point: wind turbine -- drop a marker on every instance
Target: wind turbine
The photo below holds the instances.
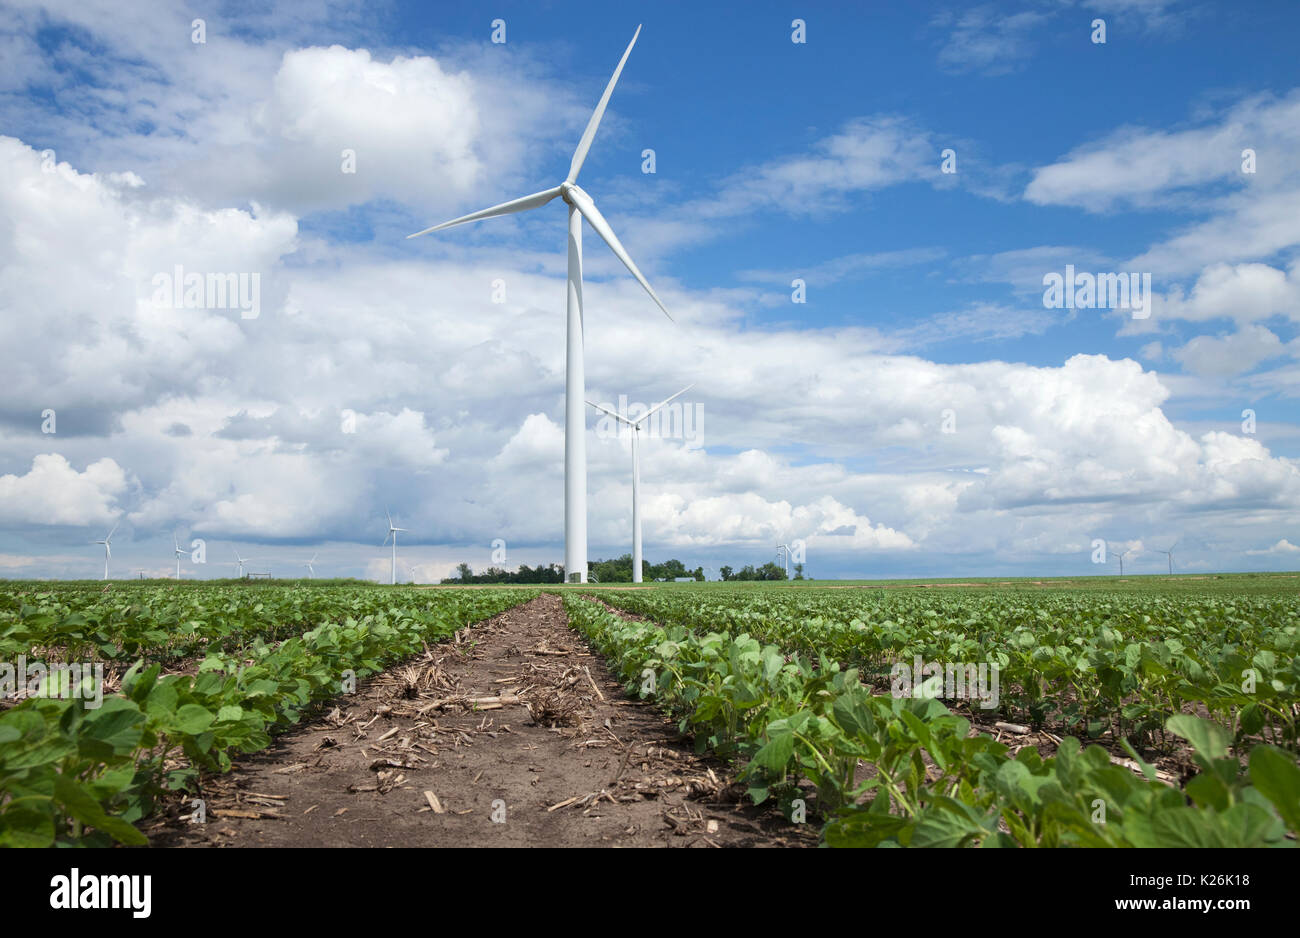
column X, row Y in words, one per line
column 179, row 553
column 1121, row 555
column 311, row 571
column 1170, row 555
column 108, row 548
column 783, row 551
column 240, row 562
column 580, row 206
column 392, row 532
column 636, row 473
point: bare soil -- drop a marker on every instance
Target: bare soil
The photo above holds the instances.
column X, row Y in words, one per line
column 515, row 734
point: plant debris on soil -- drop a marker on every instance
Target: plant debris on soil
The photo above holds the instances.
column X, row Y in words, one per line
column 513, row 734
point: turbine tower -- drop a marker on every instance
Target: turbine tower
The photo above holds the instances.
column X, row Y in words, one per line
column 580, row 206
column 240, row 562
column 179, row 553
column 392, row 532
column 108, row 548
column 1121, row 557
column 636, row 475
column 311, row 571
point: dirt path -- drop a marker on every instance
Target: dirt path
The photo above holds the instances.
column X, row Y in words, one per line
column 561, row 732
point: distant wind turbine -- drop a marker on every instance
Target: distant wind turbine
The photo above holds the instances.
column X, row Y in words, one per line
column 108, row 548
column 1121, row 555
column 240, row 562
column 783, row 551
column 636, row 474
column 1169, row 554
column 580, row 206
column 311, row 571
column 179, row 553
column 392, row 532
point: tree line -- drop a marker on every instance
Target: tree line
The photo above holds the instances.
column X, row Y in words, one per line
column 619, row 570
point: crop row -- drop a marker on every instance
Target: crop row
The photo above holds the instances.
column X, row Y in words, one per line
column 1082, row 663
column 65, row 769
column 908, row 772
column 166, row 623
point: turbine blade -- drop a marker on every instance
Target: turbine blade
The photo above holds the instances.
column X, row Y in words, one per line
column 390, row 519
column 111, row 533
column 611, row 413
column 664, row 401
column 583, row 203
column 580, row 154
column 535, row 200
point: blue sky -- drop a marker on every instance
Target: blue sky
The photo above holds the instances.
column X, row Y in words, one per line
column 775, row 160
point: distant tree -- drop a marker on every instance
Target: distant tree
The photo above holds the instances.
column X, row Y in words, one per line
column 616, row 570
column 698, row 574
column 553, row 573
column 798, row 571
column 725, row 572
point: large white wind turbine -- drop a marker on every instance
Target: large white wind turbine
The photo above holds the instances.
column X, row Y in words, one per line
column 108, row 548
column 179, row 554
column 241, row 562
column 311, row 571
column 636, row 474
column 392, row 532
column 580, row 206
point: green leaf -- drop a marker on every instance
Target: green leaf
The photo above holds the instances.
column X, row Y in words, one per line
column 1209, row 739
column 1274, row 774
column 117, row 723
column 1252, row 719
column 775, row 756
column 947, row 824
column 81, row 805
column 1148, row 769
column 27, row 822
column 193, row 719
